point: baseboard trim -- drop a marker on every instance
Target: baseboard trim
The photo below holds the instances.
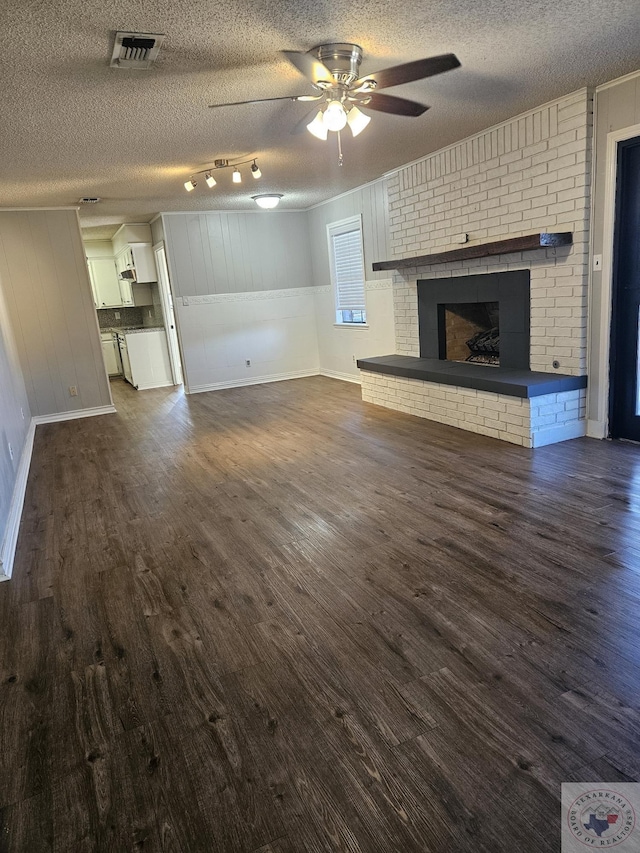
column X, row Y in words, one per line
column 151, row 387
column 345, row 377
column 8, row 551
column 596, row 429
column 561, row 432
column 256, row 380
column 72, row 416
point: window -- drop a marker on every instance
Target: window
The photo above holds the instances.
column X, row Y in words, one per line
column 346, row 260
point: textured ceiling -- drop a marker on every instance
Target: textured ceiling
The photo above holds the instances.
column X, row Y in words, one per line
column 72, row 126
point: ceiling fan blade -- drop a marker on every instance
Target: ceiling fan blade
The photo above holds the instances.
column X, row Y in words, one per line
column 263, row 100
column 310, row 66
column 417, row 70
column 391, row 104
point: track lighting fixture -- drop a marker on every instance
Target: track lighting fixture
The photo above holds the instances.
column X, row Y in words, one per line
column 236, row 177
column 267, row 200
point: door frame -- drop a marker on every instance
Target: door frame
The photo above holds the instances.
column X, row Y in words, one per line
column 166, row 297
column 604, row 393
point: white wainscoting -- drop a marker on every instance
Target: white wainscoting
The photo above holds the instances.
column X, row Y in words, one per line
column 341, row 346
column 274, row 329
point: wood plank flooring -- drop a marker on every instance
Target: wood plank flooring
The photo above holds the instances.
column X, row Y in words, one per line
column 275, row 619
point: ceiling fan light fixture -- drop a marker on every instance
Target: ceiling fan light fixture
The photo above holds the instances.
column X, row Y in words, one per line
column 210, row 180
column 357, row 120
column 236, row 177
column 255, row 170
column 317, row 127
column 267, row 201
column 190, row 185
column 335, row 116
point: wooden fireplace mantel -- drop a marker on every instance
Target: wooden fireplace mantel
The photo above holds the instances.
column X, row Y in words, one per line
column 483, row 250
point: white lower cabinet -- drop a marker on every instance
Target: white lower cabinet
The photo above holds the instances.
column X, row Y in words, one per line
column 148, row 359
column 109, row 354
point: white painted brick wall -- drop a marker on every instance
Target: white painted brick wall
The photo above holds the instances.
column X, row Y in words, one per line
column 529, row 423
column 529, row 174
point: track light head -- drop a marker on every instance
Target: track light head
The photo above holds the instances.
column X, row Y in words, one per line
column 255, row 170
column 237, row 177
column 190, row 185
column 210, row 180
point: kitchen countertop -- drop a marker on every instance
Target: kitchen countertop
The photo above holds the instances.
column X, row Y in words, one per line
column 128, row 330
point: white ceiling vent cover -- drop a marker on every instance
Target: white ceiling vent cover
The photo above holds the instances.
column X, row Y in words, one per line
column 135, row 50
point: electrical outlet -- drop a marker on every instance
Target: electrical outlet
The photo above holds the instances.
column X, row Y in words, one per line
column 597, row 262
column 248, row 362
column 73, row 391
column 10, row 450
column 353, row 359
column 117, row 315
column 22, row 412
column 149, row 313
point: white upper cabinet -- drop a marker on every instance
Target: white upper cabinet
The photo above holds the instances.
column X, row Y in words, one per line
column 132, row 246
column 104, row 283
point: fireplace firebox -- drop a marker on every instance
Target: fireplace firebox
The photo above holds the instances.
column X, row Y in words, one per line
column 477, row 318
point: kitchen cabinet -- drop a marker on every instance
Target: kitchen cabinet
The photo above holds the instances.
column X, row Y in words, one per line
column 111, row 360
column 139, row 257
column 104, row 283
column 145, row 359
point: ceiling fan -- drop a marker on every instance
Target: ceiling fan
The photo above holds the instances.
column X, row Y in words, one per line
column 334, row 72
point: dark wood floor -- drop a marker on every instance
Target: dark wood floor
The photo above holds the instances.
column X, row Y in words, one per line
column 276, row 619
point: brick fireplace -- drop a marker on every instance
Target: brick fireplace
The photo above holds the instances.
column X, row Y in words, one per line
column 529, row 174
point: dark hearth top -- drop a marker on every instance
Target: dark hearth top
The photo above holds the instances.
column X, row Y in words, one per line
column 483, row 250
column 509, row 381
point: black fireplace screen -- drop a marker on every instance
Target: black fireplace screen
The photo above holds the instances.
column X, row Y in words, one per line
column 478, row 318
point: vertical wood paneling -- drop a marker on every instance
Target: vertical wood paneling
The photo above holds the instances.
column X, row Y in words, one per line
column 371, row 202
column 45, row 280
column 234, row 252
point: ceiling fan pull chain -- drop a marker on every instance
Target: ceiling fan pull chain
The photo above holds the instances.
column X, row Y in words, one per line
column 340, row 157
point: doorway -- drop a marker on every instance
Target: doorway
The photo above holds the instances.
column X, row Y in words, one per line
column 166, row 298
column 624, row 416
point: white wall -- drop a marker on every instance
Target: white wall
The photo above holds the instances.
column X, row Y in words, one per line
column 340, row 346
column 15, row 420
column 617, row 108
column 45, row 281
column 242, row 292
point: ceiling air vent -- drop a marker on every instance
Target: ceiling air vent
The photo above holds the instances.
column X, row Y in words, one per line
column 89, row 199
column 135, row 50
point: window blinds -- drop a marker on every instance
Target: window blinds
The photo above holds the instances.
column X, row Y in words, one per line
column 349, row 270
